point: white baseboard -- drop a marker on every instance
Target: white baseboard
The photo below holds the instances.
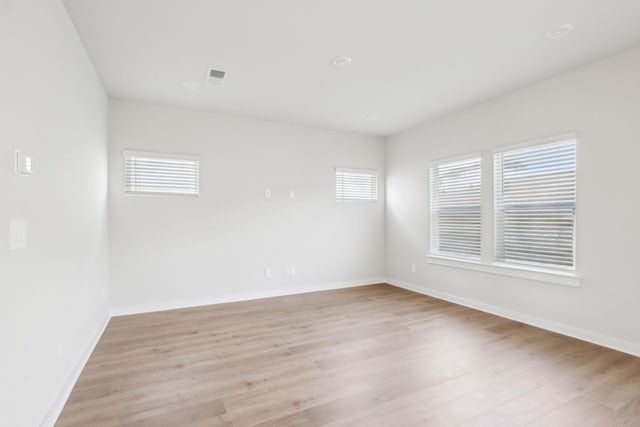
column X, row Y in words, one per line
column 245, row 296
column 581, row 334
column 56, row 408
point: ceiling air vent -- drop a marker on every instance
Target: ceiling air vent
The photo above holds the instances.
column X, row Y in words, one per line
column 215, row 77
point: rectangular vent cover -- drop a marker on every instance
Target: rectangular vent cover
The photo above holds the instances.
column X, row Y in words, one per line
column 215, row 77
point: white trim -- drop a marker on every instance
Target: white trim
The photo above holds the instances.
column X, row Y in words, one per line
column 161, row 195
column 245, row 296
column 487, row 234
column 434, row 200
column 58, row 404
column 372, row 172
column 562, row 137
column 339, row 201
column 155, row 155
column 560, row 328
column 531, row 273
column 372, row 175
column 539, row 142
column 194, row 160
column 454, row 159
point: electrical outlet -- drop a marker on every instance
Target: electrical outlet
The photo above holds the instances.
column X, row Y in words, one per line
column 267, row 273
column 413, row 268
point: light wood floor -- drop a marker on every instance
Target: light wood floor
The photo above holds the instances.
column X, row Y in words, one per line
column 367, row 356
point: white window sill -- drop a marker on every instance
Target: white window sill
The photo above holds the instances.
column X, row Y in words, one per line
column 556, row 277
column 161, row 195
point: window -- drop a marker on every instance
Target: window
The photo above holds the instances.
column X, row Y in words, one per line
column 533, row 232
column 356, row 185
column 455, row 208
column 161, row 174
column 535, row 205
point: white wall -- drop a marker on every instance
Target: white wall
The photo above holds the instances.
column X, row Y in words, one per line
column 169, row 252
column 53, row 294
column 601, row 102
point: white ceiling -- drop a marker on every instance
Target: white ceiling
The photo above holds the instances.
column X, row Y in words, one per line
column 412, row 59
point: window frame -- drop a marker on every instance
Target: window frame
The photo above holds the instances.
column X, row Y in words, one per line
column 354, row 171
column 533, row 144
column 488, row 262
column 449, row 160
column 159, row 155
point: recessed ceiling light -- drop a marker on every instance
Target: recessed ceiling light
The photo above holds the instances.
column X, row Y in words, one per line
column 341, row 61
column 559, row 32
column 370, row 117
column 190, row 85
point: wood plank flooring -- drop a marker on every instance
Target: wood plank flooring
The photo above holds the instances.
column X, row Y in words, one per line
column 367, row 356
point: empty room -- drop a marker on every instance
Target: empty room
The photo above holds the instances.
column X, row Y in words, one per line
column 319, row 213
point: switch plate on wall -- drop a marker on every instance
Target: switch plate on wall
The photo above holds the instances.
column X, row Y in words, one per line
column 267, row 273
column 17, row 234
column 267, row 193
column 23, row 164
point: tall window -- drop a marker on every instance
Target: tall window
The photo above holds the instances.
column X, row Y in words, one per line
column 535, row 205
column 455, row 208
column 161, row 174
column 357, row 185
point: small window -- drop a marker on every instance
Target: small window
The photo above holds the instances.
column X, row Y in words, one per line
column 356, row 185
column 535, row 205
column 161, row 174
column 455, row 208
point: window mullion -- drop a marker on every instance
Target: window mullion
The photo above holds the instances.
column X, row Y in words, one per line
column 487, row 252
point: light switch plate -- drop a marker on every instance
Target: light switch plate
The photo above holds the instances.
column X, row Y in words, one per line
column 23, row 164
column 17, row 234
column 267, row 193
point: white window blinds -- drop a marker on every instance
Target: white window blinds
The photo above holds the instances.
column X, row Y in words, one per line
column 356, row 185
column 161, row 174
column 455, row 208
column 535, row 205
